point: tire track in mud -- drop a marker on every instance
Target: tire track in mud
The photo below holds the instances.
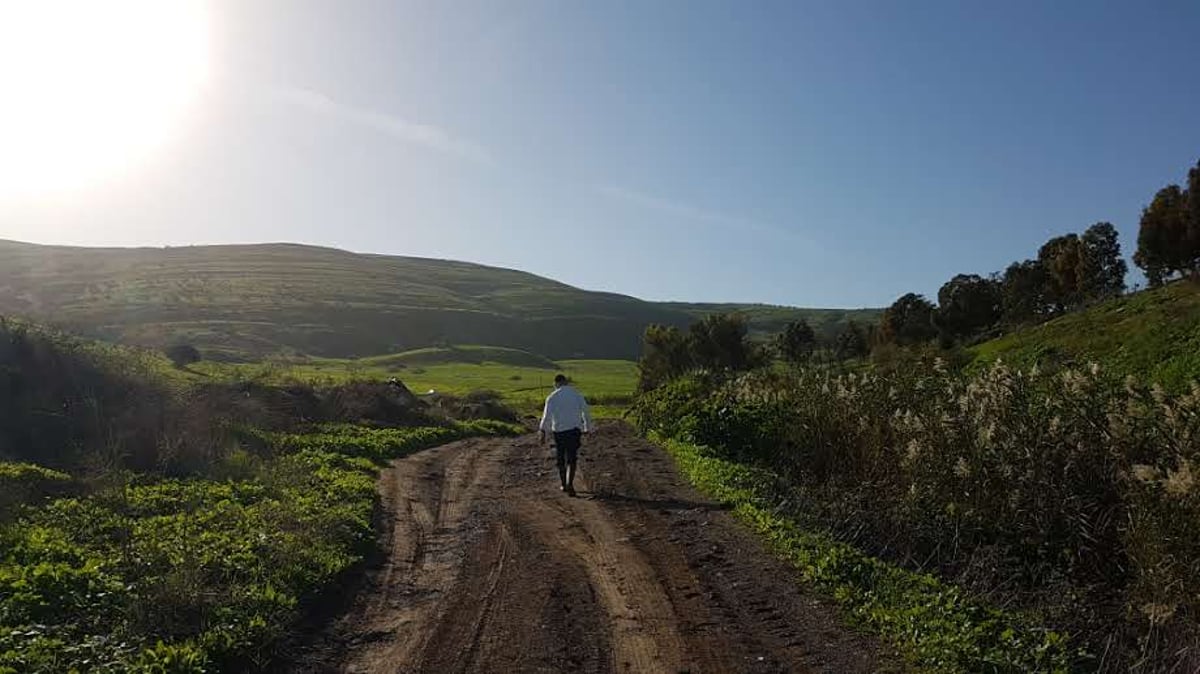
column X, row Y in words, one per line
column 487, row 567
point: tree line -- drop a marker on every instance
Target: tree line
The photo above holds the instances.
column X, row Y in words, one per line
column 1069, row 272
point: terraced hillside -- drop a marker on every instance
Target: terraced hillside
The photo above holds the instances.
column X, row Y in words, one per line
column 248, row 301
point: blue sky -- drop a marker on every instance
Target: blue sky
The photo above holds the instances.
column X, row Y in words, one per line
column 831, row 154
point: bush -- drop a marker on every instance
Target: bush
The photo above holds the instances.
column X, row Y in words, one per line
column 182, row 355
column 59, row 395
column 22, row 483
column 1069, row 494
column 936, row 625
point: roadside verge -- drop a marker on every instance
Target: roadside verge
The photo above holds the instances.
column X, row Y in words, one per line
column 936, row 625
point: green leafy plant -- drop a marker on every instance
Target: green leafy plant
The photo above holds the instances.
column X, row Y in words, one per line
column 191, row 575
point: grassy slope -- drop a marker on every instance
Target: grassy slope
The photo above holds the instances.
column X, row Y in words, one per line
column 1153, row 334
column 766, row 319
column 250, row 301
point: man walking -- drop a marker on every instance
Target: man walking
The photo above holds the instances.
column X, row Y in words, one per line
column 566, row 415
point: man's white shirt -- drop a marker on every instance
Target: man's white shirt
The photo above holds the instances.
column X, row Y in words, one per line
column 565, row 409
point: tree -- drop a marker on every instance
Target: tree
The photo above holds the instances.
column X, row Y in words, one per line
column 1064, row 259
column 1105, row 268
column 795, row 344
column 908, row 321
column 967, row 305
column 1023, row 293
column 1163, row 241
column 851, row 342
column 183, row 355
column 665, row 355
column 719, row 342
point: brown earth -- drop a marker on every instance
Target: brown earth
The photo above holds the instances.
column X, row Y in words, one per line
column 489, row 568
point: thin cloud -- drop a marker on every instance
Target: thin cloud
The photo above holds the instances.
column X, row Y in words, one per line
column 399, row 129
column 684, row 211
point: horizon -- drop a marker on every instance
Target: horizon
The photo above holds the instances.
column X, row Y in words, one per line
column 780, row 154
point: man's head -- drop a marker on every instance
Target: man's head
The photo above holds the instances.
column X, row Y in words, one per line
column 560, row 380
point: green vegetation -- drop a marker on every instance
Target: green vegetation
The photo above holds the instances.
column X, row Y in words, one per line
column 381, row 444
column 62, row 398
column 1070, row 273
column 608, row 384
column 1069, row 497
column 1154, row 335
column 153, row 519
column 184, row 575
column 250, row 302
column 936, row 625
column 718, row 342
column 22, row 483
column 1169, row 232
column 765, row 320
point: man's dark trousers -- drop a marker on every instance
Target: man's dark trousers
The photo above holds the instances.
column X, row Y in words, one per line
column 566, row 446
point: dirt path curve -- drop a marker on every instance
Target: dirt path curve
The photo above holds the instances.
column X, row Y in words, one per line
column 491, row 569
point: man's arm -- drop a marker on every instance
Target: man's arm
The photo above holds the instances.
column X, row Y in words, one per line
column 585, row 413
column 545, row 422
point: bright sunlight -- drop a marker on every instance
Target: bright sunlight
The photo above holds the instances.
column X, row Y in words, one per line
column 88, row 89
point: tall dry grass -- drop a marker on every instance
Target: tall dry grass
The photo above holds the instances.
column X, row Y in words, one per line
column 1071, row 495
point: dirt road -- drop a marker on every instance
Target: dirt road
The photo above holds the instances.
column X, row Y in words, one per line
column 491, row 569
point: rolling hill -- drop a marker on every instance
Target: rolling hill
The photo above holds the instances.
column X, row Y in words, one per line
column 247, row 301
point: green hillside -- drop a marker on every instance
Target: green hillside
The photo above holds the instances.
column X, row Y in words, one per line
column 244, row 302
column 768, row 319
column 1154, row 334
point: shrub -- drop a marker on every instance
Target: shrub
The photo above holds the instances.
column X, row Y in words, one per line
column 182, row 355
column 936, row 625
column 22, row 483
column 1070, row 494
column 60, row 394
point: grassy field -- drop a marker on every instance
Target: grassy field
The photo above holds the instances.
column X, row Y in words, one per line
column 251, row 302
column 609, row 384
column 1153, row 334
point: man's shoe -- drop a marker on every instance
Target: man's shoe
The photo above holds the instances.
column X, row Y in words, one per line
column 570, row 490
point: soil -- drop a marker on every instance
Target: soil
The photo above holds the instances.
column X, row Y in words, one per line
column 488, row 567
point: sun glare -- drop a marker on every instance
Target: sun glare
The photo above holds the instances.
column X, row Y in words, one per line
column 89, row 88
